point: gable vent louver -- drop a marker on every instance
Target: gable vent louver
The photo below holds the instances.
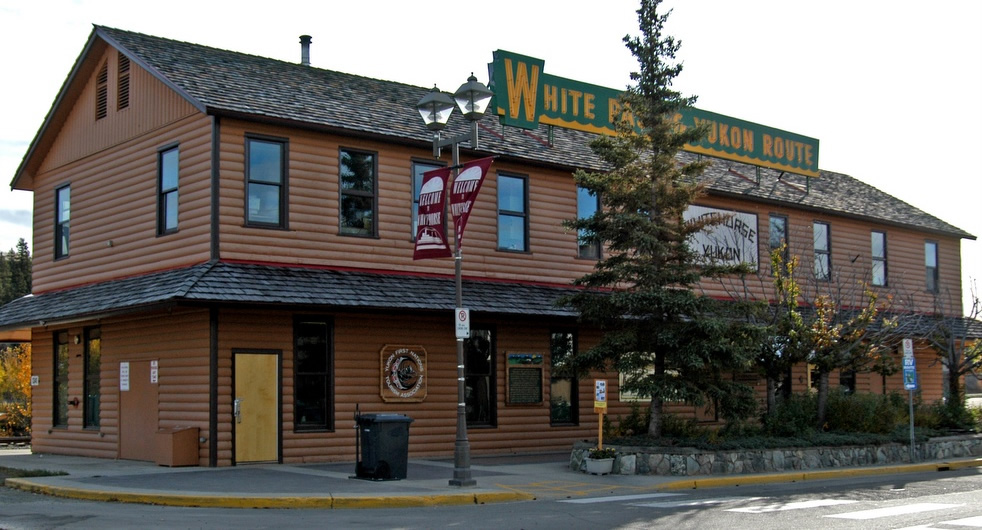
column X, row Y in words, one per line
column 123, row 88
column 102, row 92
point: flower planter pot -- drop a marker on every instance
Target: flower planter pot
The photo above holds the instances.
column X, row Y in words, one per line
column 601, row 466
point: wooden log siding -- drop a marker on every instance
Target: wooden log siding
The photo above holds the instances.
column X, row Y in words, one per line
column 114, row 199
column 106, row 207
column 313, row 237
column 849, row 238
column 111, row 165
column 182, row 386
column 357, row 378
column 179, row 342
column 152, row 104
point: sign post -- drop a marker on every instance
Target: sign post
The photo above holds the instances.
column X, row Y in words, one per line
column 600, row 407
column 910, row 384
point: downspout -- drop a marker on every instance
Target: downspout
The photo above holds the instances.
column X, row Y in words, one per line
column 216, row 130
column 213, row 387
column 213, row 312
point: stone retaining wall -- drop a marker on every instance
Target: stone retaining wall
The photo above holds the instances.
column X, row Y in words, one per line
column 692, row 462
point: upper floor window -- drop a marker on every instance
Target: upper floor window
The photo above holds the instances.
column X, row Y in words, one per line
column 777, row 236
column 823, row 252
column 102, row 92
column 167, row 164
column 931, row 265
column 63, row 214
column 358, row 199
column 123, row 83
column 266, row 183
column 587, row 204
column 418, row 169
column 512, row 213
column 92, row 377
column 878, row 246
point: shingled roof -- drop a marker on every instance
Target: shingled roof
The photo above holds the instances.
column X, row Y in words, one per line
column 227, row 83
column 246, row 86
column 249, row 284
column 242, row 284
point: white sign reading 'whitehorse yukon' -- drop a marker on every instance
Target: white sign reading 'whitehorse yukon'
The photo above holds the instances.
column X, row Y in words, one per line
column 732, row 241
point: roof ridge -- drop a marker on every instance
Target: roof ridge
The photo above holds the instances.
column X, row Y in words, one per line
column 197, row 276
column 255, row 56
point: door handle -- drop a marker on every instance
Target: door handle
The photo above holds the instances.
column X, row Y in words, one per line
column 237, row 410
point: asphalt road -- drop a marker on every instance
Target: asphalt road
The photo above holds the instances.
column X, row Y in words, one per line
column 946, row 500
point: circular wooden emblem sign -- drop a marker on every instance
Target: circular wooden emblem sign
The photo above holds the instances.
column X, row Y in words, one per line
column 403, row 373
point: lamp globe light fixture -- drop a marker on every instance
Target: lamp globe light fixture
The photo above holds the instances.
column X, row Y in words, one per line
column 472, row 98
column 435, row 108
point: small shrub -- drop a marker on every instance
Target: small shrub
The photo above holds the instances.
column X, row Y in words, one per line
column 794, row 417
column 976, row 414
column 636, row 423
column 945, row 416
column 865, row 413
column 673, row 426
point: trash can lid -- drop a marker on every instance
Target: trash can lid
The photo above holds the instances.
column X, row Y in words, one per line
column 384, row 418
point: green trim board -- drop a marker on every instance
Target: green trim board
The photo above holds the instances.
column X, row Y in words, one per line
column 525, row 96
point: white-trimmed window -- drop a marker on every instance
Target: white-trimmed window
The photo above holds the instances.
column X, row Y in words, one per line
column 266, row 181
column 418, row 169
column 167, row 172
column 359, row 201
column 512, row 213
column 878, row 246
column 63, row 216
column 823, row 251
column 931, row 266
column 587, row 204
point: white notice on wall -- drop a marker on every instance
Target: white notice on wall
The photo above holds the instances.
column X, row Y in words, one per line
column 153, row 372
column 124, row 376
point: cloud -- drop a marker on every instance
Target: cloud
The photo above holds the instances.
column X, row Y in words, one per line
column 16, row 217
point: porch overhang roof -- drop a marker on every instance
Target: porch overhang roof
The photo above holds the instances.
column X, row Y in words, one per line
column 225, row 283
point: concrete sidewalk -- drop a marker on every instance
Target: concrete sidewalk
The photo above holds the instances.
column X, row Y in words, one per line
column 499, row 479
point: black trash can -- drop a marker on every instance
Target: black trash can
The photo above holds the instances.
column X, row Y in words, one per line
column 384, row 446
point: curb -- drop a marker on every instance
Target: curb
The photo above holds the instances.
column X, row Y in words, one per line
column 774, row 478
column 224, row 501
column 207, row 500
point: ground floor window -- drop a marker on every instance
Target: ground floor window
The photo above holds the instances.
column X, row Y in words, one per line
column 563, row 402
column 313, row 385
column 479, row 364
column 60, row 417
column 93, row 365
column 847, row 381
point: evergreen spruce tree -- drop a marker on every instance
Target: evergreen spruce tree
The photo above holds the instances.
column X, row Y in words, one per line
column 20, row 272
column 15, row 272
column 671, row 343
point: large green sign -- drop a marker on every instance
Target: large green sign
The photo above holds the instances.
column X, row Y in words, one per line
column 525, row 96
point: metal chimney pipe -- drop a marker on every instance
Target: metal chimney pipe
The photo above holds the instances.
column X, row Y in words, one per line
column 305, row 50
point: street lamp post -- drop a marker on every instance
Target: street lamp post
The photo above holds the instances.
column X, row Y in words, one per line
column 436, row 107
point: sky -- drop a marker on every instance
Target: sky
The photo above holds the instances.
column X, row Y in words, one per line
column 892, row 90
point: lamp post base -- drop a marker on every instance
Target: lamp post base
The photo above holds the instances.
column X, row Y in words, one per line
column 462, row 465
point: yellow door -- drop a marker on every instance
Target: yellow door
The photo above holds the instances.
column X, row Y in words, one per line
column 255, row 410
